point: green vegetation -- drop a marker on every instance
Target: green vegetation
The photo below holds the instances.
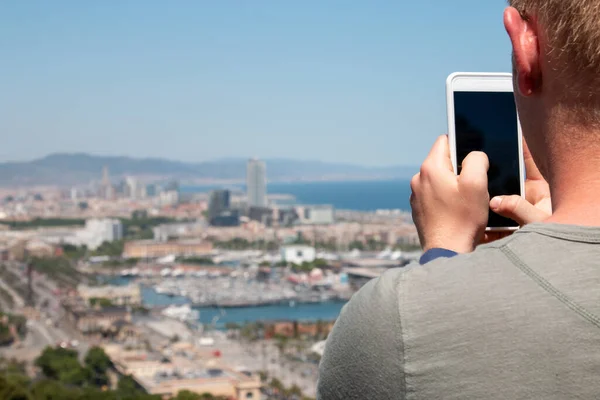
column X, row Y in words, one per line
column 292, row 392
column 59, row 269
column 232, row 326
column 243, row 244
column 101, row 302
column 18, row 322
column 309, row 266
column 44, row 223
column 64, row 378
column 111, row 249
column 139, row 227
column 195, row 260
column 74, row 252
column 253, row 331
column 187, row 395
column 98, row 363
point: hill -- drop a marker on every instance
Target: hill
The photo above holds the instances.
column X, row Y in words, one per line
column 70, row 169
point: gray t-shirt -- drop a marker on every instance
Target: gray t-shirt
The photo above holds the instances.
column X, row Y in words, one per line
column 516, row 319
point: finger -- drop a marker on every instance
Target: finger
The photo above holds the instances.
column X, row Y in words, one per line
column 518, row 209
column 415, row 183
column 474, row 171
column 439, row 155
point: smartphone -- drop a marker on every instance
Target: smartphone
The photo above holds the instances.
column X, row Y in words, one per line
column 482, row 116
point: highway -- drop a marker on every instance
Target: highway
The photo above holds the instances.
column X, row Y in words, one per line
column 52, row 327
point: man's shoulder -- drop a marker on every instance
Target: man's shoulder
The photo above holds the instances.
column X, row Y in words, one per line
column 479, row 262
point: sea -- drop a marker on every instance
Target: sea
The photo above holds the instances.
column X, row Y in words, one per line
column 344, row 195
column 219, row 317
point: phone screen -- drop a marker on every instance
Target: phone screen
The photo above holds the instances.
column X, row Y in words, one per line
column 487, row 121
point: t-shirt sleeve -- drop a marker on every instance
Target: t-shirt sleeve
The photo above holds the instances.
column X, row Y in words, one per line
column 364, row 353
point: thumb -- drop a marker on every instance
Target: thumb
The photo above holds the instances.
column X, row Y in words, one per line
column 518, row 209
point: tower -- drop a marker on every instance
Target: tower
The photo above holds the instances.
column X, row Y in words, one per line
column 256, row 183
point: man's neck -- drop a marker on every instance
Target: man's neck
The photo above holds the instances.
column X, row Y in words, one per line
column 574, row 178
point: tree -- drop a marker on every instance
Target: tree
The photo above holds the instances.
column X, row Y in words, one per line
column 356, row 245
column 277, row 385
column 55, row 362
column 294, row 391
column 98, row 363
column 111, row 249
column 263, row 376
column 97, row 360
column 12, row 390
column 187, row 395
column 51, row 390
column 232, row 326
column 100, row 301
column 128, row 387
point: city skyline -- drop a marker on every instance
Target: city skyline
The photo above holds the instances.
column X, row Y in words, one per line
column 202, row 81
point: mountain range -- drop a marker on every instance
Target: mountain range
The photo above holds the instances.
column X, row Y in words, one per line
column 71, row 169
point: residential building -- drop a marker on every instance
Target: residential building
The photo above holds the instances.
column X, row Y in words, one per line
column 152, row 249
column 166, row 232
column 168, row 198
column 166, row 376
column 219, row 209
column 98, row 321
column 263, row 215
column 98, row 231
column 118, row 295
column 298, row 254
column 316, row 215
column 218, row 203
column 131, row 187
column 256, row 183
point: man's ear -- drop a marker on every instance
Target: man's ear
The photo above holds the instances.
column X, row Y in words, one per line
column 523, row 35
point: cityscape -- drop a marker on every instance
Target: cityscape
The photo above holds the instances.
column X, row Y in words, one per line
column 225, row 293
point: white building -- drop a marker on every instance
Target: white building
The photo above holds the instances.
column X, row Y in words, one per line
column 131, row 187
column 98, row 231
column 163, row 233
column 298, row 254
column 316, row 215
column 256, row 183
column 169, row 198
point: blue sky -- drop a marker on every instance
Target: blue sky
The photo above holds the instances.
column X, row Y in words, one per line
column 344, row 81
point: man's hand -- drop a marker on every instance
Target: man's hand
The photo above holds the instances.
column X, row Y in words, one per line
column 537, row 204
column 450, row 211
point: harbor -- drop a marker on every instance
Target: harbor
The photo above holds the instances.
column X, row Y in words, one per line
column 237, row 289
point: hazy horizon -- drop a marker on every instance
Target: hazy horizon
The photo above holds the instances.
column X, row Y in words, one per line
column 359, row 83
column 215, row 160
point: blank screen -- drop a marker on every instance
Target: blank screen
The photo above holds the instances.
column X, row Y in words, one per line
column 487, row 121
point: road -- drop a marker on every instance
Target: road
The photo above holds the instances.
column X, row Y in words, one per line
column 264, row 356
column 51, row 329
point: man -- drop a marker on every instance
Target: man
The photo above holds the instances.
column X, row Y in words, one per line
column 518, row 318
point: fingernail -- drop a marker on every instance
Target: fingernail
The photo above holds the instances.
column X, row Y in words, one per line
column 495, row 202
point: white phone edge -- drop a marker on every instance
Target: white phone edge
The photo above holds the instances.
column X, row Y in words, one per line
column 480, row 82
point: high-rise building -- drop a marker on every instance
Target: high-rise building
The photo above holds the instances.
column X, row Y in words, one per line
column 131, row 188
column 106, row 189
column 256, row 183
column 219, row 201
column 98, row 231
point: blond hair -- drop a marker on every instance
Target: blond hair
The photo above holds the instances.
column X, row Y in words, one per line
column 572, row 29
